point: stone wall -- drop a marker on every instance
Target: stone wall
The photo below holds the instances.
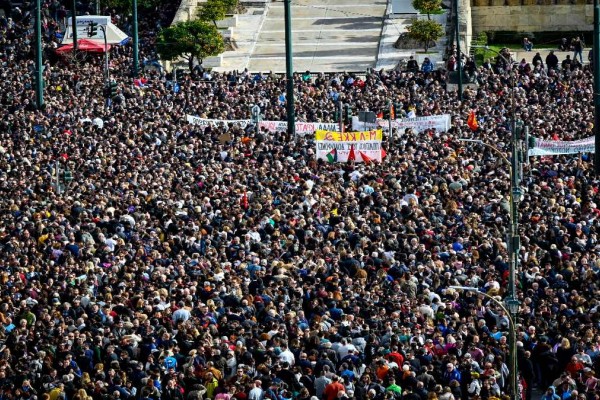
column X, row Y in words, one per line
column 465, row 23
column 532, row 18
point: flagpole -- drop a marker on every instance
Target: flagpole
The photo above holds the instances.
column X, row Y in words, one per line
column 391, row 134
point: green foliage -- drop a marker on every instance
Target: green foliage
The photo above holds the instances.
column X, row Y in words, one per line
column 428, row 6
column 213, row 10
column 190, row 40
column 425, row 31
column 230, row 5
column 481, row 39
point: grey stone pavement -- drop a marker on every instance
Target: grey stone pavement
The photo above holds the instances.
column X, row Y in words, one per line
column 328, row 35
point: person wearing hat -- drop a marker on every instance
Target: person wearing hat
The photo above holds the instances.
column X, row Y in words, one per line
column 474, row 388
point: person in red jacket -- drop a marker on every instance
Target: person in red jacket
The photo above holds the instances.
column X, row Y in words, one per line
column 574, row 367
column 395, row 356
column 332, row 390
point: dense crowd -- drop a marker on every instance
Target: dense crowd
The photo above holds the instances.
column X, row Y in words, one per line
column 185, row 263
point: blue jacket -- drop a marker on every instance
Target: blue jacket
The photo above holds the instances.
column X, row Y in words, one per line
column 427, row 66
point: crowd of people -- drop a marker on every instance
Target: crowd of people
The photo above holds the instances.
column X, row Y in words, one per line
column 187, row 262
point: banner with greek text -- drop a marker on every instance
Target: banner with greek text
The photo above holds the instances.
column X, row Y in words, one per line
column 554, row 147
column 302, row 128
column 242, row 123
column 362, row 147
column 441, row 123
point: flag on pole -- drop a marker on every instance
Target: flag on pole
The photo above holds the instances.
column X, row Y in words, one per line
column 365, row 158
column 472, row 121
column 332, row 156
column 383, row 153
column 351, row 155
column 392, row 112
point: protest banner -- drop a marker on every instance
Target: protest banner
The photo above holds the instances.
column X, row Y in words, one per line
column 543, row 147
column 362, row 147
column 242, row 123
column 302, row 128
column 441, row 123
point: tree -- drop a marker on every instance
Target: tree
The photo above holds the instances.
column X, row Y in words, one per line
column 190, row 40
column 213, row 10
column 425, row 31
column 427, row 6
column 230, row 5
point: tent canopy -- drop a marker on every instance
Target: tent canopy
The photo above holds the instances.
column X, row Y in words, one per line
column 113, row 34
column 84, row 45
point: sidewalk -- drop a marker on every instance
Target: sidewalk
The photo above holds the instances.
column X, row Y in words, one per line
column 389, row 56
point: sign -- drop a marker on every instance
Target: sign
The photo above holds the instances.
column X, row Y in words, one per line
column 367, row 116
column 363, row 147
column 255, row 113
column 242, row 123
column 554, row 147
column 441, row 123
column 349, row 136
column 302, row 128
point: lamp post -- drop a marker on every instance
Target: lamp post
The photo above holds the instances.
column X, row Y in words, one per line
column 511, row 308
column 39, row 64
column 289, row 70
column 459, row 68
column 136, row 52
column 514, row 245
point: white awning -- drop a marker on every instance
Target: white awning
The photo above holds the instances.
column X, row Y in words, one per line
column 113, row 34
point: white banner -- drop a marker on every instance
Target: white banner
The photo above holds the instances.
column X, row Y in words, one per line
column 242, row 123
column 555, row 147
column 441, row 123
column 371, row 149
column 302, row 128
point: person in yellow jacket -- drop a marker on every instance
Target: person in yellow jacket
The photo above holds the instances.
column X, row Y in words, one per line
column 58, row 392
column 211, row 383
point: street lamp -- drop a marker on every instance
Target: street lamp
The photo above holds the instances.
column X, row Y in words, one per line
column 514, row 245
column 511, row 308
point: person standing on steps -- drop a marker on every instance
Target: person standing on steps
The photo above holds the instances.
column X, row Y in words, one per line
column 578, row 46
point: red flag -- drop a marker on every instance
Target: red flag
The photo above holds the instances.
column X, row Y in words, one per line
column 365, row 158
column 65, row 156
column 380, row 115
column 383, row 153
column 245, row 201
column 351, row 155
column 472, row 121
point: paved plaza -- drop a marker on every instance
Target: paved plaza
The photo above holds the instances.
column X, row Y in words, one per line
column 329, row 35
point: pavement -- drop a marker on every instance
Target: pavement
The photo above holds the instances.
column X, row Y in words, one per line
column 328, row 35
column 389, row 56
